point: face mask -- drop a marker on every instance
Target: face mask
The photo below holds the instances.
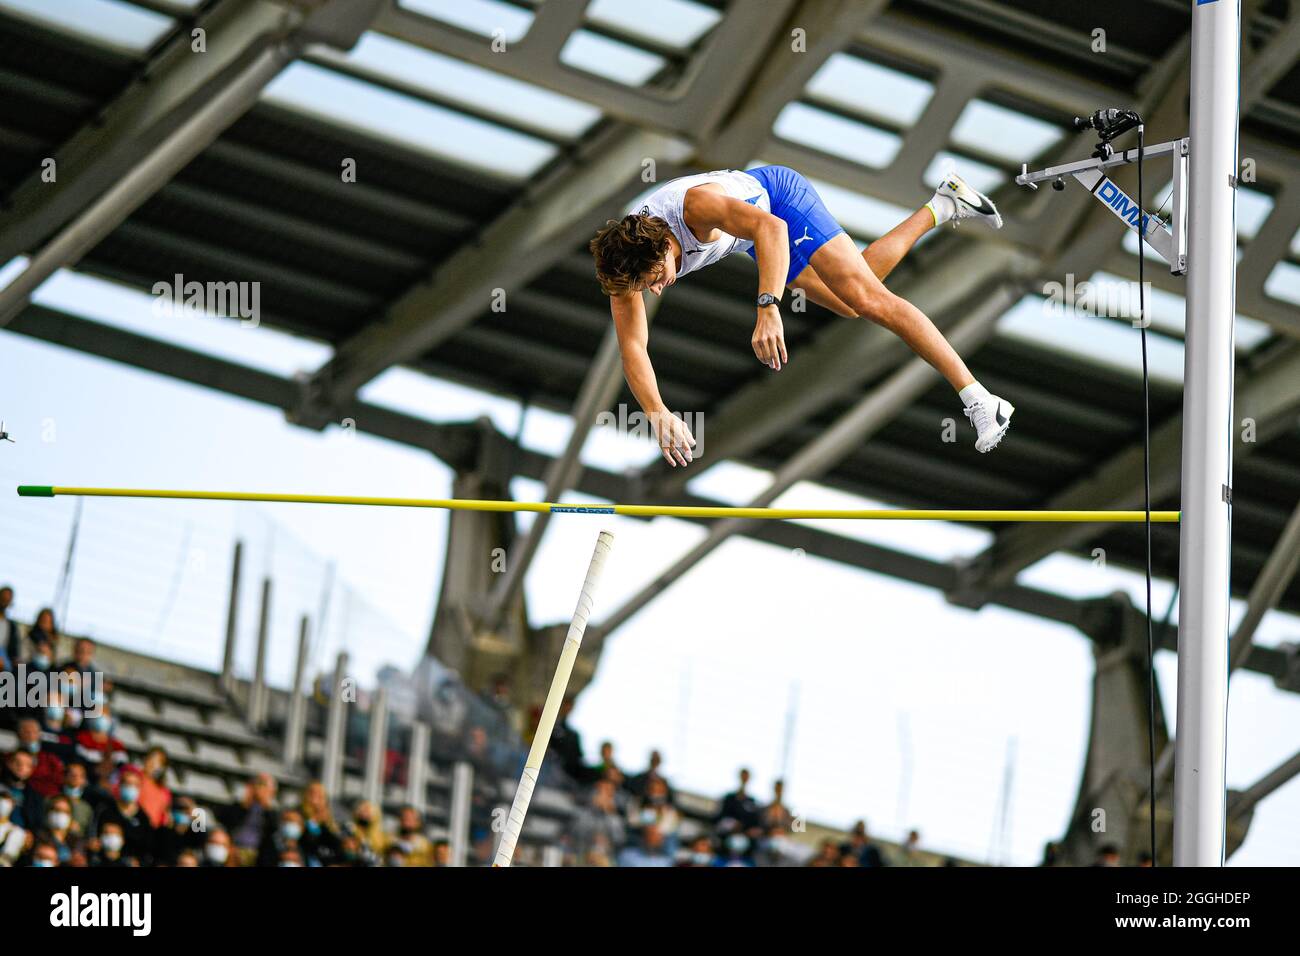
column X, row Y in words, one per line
column 290, row 863
column 33, row 747
column 41, row 862
column 74, row 718
column 216, row 852
column 291, row 831
column 112, row 842
column 73, row 792
column 41, row 663
column 737, row 844
column 6, row 808
column 104, row 724
column 60, row 820
column 129, row 794
column 159, row 774
column 181, row 818
column 54, row 716
column 647, row 816
column 313, row 826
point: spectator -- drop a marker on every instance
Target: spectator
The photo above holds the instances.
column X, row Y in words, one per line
column 217, row 850
column 651, row 851
column 45, row 854
column 47, row 777
column 89, row 675
column 656, row 810
column 109, row 848
column 737, row 850
column 187, row 858
column 155, row 796
column 182, row 832
column 10, row 643
column 320, row 839
column 251, row 819
column 739, row 811
column 60, row 829
column 43, row 630
column 566, row 745
column 127, row 815
column 42, row 658
column 776, row 848
column 637, row 785
column 608, row 768
column 1107, row 855
column 29, row 806
column 776, row 814
column 600, row 819
column 909, row 854
column 861, row 846
column 415, row 847
column 369, row 831
column 828, row 854
column 287, row 836
column 95, row 742
column 13, row 837
column 701, row 853
column 441, row 853
column 74, row 787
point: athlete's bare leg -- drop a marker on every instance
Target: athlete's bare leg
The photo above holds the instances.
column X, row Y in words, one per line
column 848, row 278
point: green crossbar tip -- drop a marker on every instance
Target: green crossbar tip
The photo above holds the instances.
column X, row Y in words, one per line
column 36, row 491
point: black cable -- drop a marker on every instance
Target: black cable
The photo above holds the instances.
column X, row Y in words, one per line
column 1146, row 476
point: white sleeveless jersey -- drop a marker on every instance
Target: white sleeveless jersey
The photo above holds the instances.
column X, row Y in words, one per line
column 666, row 203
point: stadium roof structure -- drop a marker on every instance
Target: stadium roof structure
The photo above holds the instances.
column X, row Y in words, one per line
column 490, row 138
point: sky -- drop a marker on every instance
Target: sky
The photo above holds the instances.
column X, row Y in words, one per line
column 874, row 698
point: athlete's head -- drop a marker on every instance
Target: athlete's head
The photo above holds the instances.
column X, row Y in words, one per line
column 634, row 254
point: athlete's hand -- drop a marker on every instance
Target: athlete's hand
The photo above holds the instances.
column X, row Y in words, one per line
column 675, row 439
column 769, row 338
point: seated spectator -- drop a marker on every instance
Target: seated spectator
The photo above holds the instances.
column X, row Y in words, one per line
column 217, row 850
column 13, row 838
column 47, row 777
column 94, row 686
column 909, row 854
column 42, row 632
column 95, row 742
column 187, row 858
column 441, row 853
column 252, row 818
column 320, row 838
column 566, row 745
column 369, row 832
column 103, row 785
column 700, row 854
column 776, row 814
column 1107, row 855
column 127, row 815
column 599, row 820
column 74, row 787
column 416, row 848
column 737, row 850
column 776, row 848
column 286, row 836
column 42, row 658
column 607, row 768
column 60, row 830
column 656, row 810
column 45, row 854
column 290, row 858
column 155, row 795
column 828, row 854
column 109, row 848
column 10, row 634
column 637, row 785
column 739, row 811
column 650, row 852
column 861, row 846
column 29, row 806
column 182, row 832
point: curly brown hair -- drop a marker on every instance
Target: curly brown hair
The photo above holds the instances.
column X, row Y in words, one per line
column 628, row 250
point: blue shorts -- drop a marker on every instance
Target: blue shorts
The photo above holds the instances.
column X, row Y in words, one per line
column 795, row 200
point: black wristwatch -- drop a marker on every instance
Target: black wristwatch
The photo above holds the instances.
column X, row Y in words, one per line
column 766, row 299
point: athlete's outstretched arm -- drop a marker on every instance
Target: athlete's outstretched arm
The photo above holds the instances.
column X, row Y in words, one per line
column 675, row 439
column 706, row 210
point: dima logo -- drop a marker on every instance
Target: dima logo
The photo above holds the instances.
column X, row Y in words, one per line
column 1125, row 208
column 75, row 908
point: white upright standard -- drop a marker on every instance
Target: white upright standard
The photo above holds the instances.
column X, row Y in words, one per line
column 1201, row 742
column 554, row 697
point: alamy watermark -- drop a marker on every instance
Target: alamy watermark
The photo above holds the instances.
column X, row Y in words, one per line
column 35, row 689
column 638, row 425
column 235, row 300
column 1110, row 299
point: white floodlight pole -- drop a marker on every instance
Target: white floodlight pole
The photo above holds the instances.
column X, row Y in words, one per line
column 1201, row 742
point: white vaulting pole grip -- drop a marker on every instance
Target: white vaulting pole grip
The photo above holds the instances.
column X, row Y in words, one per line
column 554, row 697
